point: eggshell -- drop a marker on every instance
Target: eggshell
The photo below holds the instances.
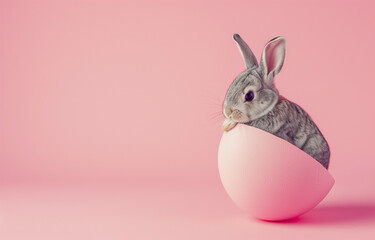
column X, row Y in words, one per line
column 268, row 177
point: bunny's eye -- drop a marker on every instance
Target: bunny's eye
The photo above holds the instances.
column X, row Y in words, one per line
column 249, row 96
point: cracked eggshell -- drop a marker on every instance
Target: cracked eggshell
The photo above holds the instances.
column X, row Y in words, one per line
column 268, row 177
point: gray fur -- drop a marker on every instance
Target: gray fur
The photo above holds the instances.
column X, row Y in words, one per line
column 268, row 110
column 247, row 55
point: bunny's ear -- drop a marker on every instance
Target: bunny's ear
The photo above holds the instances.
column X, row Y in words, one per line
column 247, row 54
column 272, row 58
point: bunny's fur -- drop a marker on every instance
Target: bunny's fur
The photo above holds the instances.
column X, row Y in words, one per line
column 268, row 110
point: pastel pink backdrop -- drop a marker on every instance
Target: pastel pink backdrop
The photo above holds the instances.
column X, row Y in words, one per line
column 125, row 95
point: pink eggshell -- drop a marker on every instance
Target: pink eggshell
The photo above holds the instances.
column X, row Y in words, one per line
column 268, row 177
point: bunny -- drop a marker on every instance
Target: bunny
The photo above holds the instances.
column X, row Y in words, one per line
column 253, row 99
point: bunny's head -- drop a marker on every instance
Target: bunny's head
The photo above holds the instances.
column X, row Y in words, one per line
column 253, row 94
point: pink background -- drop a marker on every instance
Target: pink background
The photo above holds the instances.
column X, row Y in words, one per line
column 110, row 115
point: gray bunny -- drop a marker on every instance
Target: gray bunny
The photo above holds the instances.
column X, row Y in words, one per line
column 253, row 99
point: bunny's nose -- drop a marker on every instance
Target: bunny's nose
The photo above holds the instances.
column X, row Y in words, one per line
column 227, row 112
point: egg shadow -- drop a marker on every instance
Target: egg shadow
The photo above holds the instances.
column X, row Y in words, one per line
column 336, row 214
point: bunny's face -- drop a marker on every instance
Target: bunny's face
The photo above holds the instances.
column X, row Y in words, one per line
column 253, row 94
column 249, row 98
